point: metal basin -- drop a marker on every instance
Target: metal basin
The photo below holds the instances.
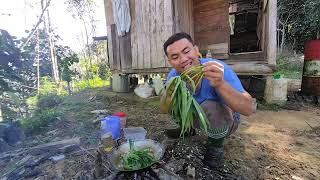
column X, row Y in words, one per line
column 117, row 154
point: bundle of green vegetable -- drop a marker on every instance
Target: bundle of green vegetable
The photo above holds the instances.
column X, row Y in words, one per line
column 184, row 107
column 138, row 159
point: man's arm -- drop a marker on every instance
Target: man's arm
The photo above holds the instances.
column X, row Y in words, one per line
column 237, row 101
column 163, row 102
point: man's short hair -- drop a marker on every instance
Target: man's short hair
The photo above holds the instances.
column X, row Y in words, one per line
column 176, row 37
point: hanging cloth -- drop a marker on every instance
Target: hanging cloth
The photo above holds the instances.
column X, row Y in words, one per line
column 121, row 14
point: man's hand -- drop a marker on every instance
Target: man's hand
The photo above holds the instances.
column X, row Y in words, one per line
column 165, row 103
column 238, row 102
column 214, row 72
column 169, row 91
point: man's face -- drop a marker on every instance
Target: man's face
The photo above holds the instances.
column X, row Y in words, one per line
column 182, row 55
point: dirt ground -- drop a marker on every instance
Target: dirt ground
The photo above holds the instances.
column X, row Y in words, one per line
column 282, row 144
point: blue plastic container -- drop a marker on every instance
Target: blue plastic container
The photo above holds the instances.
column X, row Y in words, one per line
column 111, row 124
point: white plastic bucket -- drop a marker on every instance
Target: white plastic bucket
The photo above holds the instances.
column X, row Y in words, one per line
column 277, row 92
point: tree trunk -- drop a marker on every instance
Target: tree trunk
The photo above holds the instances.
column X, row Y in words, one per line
column 33, row 30
column 69, row 88
column 87, row 40
column 52, row 51
column 1, row 118
column 278, row 35
column 282, row 39
column 55, row 70
column 38, row 62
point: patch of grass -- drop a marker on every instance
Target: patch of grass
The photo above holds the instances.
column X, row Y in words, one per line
column 45, row 110
column 95, row 82
column 290, row 66
column 48, row 101
column 70, row 104
column 40, row 120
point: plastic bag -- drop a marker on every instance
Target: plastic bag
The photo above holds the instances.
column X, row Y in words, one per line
column 144, row 91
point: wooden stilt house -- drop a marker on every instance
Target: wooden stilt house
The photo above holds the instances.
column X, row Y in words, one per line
column 240, row 32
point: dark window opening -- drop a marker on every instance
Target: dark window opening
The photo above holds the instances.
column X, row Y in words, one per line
column 243, row 19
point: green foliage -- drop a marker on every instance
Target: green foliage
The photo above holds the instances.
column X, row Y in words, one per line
column 49, row 87
column 95, row 82
column 40, row 120
column 14, row 98
column 46, row 102
column 104, row 71
column 8, row 113
column 66, row 58
column 44, row 107
column 290, row 67
column 9, row 62
column 100, row 70
column 94, row 69
column 301, row 21
column 46, row 110
column 29, row 53
column 32, row 102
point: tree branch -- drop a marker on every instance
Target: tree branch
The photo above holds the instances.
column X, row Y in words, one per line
column 36, row 26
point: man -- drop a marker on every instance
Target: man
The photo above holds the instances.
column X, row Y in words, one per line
column 220, row 93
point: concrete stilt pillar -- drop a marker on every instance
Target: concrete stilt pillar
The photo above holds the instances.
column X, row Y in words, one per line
column 268, row 89
column 120, row 82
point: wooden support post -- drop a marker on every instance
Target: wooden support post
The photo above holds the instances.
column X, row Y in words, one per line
column 271, row 40
column 271, row 32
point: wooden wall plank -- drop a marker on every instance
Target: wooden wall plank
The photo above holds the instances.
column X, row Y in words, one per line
column 121, row 40
column 186, row 22
column 108, row 12
column 133, row 31
column 211, row 24
column 125, row 51
column 153, row 37
column 146, row 33
column 209, row 5
column 191, row 31
column 115, row 48
column 176, row 15
column 159, row 62
column 139, row 26
column 142, row 35
column 168, row 25
column 182, row 16
column 110, row 48
column 218, row 48
column 153, row 25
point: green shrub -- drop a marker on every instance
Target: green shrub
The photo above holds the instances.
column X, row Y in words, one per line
column 290, row 67
column 95, row 82
column 48, row 87
column 40, row 120
column 48, row 101
column 44, row 109
column 32, row 102
column 104, row 71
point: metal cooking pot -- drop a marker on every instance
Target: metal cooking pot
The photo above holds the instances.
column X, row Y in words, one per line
column 117, row 154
